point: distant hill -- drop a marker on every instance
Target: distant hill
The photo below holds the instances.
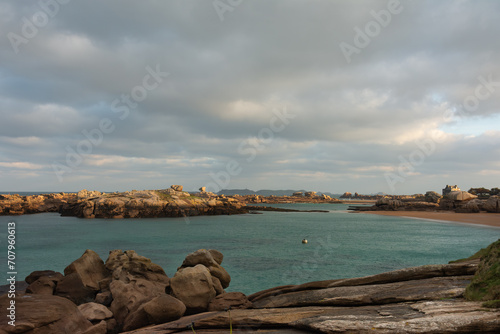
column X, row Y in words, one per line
column 265, row 192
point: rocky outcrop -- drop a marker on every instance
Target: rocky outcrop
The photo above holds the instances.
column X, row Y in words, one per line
column 171, row 202
column 460, row 196
column 432, row 197
column 20, row 205
column 151, row 204
column 457, row 201
column 389, row 204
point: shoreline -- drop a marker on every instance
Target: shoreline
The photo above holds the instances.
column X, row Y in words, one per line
column 486, row 219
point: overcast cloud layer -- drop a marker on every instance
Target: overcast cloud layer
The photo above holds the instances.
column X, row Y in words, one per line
column 274, row 94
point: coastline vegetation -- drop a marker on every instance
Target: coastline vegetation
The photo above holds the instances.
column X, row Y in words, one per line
column 485, row 286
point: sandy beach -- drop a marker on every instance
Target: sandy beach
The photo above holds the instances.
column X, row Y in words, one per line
column 490, row 219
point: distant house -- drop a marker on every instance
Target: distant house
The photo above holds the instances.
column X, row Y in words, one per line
column 449, row 189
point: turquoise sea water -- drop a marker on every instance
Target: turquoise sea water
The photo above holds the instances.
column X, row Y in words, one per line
column 260, row 251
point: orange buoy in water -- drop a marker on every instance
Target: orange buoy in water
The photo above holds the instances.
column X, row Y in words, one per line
column 304, row 241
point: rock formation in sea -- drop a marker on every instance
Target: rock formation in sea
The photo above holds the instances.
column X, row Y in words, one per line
column 128, row 292
column 457, row 201
column 171, row 202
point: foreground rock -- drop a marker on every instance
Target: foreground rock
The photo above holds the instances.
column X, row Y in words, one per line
column 425, row 299
column 126, row 292
column 42, row 314
column 452, row 316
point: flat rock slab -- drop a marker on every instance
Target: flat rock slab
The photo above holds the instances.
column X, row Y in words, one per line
column 451, row 316
column 424, row 289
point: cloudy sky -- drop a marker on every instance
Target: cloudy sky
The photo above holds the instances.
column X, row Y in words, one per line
column 331, row 96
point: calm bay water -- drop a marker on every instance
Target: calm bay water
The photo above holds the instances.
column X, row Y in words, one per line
column 260, row 251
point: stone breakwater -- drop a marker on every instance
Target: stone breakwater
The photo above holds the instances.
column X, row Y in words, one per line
column 128, row 292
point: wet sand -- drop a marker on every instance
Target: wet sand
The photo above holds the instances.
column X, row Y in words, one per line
column 490, row 219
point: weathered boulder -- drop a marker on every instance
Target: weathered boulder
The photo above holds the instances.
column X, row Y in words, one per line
column 40, row 273
column 492, row 204
column 128, row 297
column 432, row 197
column 45, row 285
column 194, row 287
column 210, row 259
column 460, row 196
column 43, row 314
column 217, row 286
column 100, row 328
column 90, row 267
column 72, row 288
column 95, row 312
column 218, row 256
column 472, row 206
column 447, row 204
column 233, row 300
column 83, row 194
column 128, row 264
column 158, row 310
column 220, row 273
column 388, row 204
column 105, row 298
column 176, row 187
column 201, row 256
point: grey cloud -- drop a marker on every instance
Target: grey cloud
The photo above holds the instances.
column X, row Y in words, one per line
column 351, row 119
